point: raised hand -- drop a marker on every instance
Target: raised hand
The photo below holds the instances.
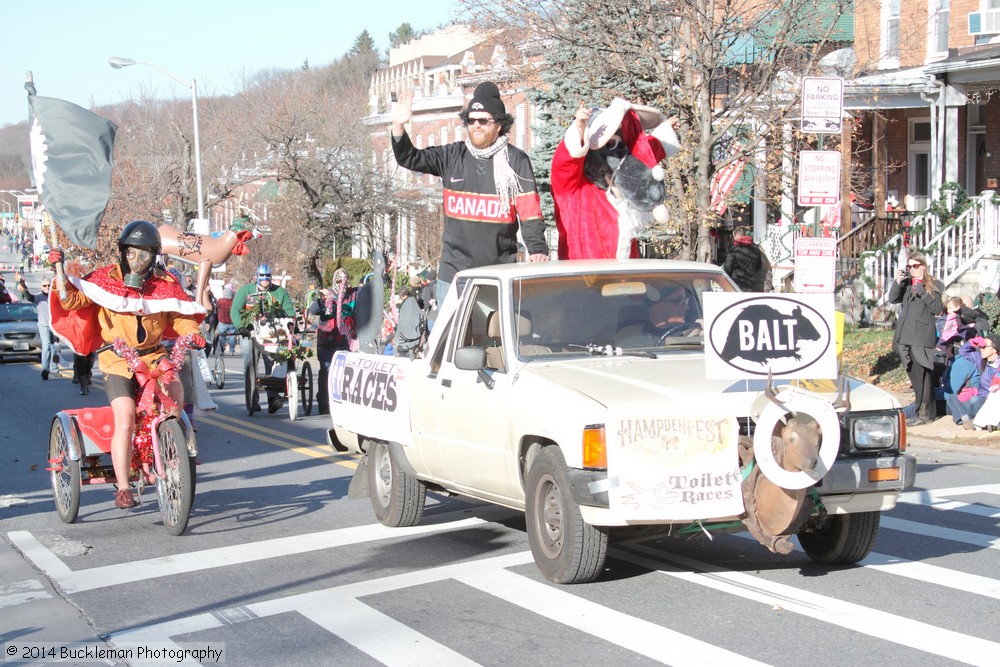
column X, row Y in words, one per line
column 402, row 111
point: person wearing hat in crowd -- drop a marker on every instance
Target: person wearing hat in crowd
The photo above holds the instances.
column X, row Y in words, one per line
column 746, row 263
column 334, row 312
column 137, row 302
column 50, row 360
column 489, row 187
column 276, row 301
column 984, row 358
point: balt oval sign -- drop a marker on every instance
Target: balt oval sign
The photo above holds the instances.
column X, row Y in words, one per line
column 790, row 336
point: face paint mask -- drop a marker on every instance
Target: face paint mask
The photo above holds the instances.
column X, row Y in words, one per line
column 138, row 260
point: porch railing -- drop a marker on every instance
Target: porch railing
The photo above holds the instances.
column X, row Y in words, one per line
column 950, row 249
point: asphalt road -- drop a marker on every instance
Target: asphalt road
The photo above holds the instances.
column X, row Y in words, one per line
column 278, row 567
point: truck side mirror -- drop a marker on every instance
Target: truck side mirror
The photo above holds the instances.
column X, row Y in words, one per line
column 470, row 358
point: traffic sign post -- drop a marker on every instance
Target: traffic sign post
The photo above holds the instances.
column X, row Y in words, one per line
column 822, row 104
column 815, row 265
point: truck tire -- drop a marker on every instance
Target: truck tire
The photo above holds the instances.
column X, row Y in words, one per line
column 397, row 497
column 842, row 538
column 566, row 549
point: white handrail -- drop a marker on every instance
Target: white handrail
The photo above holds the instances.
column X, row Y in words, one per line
column 950, row 250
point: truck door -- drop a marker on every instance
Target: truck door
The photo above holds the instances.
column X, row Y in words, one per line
column 472, row 431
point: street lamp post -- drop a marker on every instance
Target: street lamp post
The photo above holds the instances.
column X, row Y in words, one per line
column 118, row 63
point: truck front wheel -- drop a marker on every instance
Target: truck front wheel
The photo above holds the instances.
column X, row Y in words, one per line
column 842, row 538
column 397, row 497
column 566, row 549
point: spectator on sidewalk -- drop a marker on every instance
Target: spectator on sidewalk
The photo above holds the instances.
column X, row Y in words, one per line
column 50, row 356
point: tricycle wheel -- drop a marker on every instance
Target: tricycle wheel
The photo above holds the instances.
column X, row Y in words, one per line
column 841, row 538
column 175, row 489
column 397, row 497
column 250, row 389
column 292, row 392
column 219, row 374
column 566, row 549
column 65, row 473
column 306, row 388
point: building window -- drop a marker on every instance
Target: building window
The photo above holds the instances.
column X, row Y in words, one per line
column 919, row 164
column 891, row 40
column 939, row 25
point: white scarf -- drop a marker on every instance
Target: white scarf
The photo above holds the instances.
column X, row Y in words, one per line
column 504, row 177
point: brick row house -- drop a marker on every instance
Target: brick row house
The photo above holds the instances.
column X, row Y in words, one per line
column 926, row 99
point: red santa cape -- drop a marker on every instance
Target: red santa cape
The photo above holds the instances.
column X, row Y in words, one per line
column 81, row 330
column 587, row 221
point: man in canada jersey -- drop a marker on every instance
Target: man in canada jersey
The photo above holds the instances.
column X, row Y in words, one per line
column 489, row 187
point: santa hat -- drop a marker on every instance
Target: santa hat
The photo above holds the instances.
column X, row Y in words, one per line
column 631, row 122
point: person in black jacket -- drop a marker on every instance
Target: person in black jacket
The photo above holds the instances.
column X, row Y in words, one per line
column 919, row 296
column 746, row 263
column 489, row 187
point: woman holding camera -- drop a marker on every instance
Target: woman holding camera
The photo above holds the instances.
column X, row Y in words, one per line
column 919, row 296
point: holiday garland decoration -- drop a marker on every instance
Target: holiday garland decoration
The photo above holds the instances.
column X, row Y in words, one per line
column 153, row 380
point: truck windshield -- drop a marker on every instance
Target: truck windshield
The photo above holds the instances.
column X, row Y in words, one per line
column 612, row 313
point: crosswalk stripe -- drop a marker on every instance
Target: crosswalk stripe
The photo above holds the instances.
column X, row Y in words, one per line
column 383, row 638
column 928, row 496
column 868, row 621
column 941, row 533
column 635, row 634
column 925, row 572
column 987, row 511
column 73, row 581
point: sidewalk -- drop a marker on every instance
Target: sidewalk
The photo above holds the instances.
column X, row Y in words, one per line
column 33, row 611
column 945, row 431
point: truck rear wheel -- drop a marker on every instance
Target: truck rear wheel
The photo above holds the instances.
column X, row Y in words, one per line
column 566, row 549
column 397, row 497
column 842, row 538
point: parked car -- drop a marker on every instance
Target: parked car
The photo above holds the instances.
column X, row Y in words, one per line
column 19, row 331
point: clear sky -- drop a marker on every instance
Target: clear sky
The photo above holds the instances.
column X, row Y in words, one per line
column 66, row 43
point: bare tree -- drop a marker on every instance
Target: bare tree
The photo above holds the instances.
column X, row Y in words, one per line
column 730, row 70
column 306, row 126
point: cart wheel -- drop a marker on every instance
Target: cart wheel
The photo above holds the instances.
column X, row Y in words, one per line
column 176, row 488
column 292, row 393
column 306, row 388
column 251, row 390
column 219, row 374
column 65, row 473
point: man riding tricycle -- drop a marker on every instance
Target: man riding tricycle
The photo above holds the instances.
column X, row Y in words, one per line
column 134, row 306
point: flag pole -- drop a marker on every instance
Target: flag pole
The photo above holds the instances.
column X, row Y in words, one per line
column 54, row 243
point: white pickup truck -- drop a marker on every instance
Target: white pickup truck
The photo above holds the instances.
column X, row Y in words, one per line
column 563, row 389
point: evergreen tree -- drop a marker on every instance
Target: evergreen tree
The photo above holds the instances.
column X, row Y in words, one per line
column 363, row 45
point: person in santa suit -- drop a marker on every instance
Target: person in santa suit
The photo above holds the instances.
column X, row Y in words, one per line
column 134, row 301
column 606, row 180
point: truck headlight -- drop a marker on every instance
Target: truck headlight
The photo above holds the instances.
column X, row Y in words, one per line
column 874, row 432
